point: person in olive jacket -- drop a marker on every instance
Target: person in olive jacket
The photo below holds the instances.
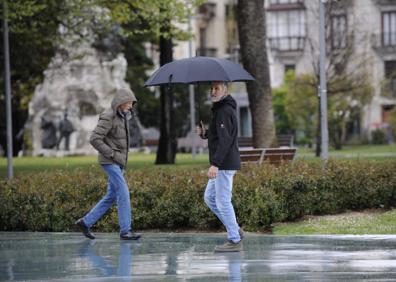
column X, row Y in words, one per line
column 225, row 160
column 111, row 139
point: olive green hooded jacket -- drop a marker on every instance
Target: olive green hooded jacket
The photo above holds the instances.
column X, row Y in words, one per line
column 111, row 136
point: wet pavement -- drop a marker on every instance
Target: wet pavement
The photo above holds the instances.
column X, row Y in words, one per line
column 190, row 257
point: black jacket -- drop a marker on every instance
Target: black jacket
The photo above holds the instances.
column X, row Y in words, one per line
column 223, row 135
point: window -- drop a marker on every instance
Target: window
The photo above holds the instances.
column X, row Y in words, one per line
column 390, row 75
column 290, row 67
column 390, row 69
column 244, row 122
column 338, row 31
column 286, row 30
column 202, row 37
column 230, row 11
column 389, row 28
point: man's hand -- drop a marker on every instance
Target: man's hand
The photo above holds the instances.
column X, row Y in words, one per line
column 200, row 129
column 212, row 172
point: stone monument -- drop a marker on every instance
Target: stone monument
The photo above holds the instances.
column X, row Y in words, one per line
column 82, row 86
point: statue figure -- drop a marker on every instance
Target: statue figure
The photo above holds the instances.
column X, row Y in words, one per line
column 65, row 128
column 48, row 139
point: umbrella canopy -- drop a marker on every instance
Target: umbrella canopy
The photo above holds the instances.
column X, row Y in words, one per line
column 198, row 69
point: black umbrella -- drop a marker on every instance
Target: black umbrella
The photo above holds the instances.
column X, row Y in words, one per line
column 198, row 69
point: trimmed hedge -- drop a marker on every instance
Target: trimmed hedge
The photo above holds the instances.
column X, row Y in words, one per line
column 164, row 199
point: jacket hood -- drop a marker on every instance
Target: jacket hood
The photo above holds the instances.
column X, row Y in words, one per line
column 122, row 95
column 228, row 100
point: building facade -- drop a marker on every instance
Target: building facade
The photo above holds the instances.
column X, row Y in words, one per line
column 366, row 26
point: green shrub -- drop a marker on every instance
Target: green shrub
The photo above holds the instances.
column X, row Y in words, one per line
column 165, row 199
column 378, row 137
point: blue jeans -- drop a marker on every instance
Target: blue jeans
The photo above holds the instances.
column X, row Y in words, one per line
column 218, row 196
column 107, row 266
column 117, row 191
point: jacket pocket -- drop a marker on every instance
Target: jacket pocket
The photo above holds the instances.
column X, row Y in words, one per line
column 119, row 158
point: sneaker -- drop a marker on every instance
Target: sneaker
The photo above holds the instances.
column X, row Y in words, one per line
column 85, row 229
column 130, row 236
column 229, row 246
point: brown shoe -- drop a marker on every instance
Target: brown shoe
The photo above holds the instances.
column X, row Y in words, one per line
column 130, row 236
column 229, row 246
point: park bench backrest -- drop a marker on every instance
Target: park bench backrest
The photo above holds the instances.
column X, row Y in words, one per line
column 251, row 155
column 151, row 142
column 283, row 140
column 267, row 155
column 245, row 141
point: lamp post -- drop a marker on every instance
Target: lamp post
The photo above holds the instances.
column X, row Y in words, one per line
column 323, row 87
column 7, row 82
column 192, row 98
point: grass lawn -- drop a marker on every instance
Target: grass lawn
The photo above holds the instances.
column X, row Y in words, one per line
column 371, row 152
column 365, row 222
column 136, row 161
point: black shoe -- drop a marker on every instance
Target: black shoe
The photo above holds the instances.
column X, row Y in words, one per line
column 130, row 236
column 85, row 230
column 241, row 233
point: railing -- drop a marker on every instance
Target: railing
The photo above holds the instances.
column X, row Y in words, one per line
column 210, row 52
column 278, row 2
column 384, row 2
column 289, row 43
column 276, row 5
column 384, row 39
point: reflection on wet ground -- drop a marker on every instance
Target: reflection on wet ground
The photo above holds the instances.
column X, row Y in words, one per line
column 190, row 256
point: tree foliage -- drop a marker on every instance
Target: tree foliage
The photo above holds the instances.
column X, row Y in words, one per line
column 38, row 28
column 301, row 106
column 33, row 30
column 348, row 84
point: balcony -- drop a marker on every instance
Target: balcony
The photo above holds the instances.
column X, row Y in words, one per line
column 276, row 5
column 288, row 43
column 206, row 51
column 384, row 43
column 385, row 2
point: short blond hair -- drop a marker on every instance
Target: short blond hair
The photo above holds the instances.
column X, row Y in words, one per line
column 224, row 84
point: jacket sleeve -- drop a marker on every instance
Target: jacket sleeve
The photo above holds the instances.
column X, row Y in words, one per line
column 224, row 128
column 99, row 133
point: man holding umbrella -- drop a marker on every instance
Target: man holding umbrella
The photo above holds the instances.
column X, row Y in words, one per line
column 225, row 161
column 222, row 134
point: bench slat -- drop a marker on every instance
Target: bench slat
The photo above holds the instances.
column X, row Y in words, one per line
column 250, row 158
column 268, row 155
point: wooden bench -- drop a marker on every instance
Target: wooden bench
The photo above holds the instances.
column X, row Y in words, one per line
column 283, row 140
column 267, row 155
column 245, row 141
column 151, row 142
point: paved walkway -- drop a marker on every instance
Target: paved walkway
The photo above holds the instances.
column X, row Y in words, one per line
column 190, row 257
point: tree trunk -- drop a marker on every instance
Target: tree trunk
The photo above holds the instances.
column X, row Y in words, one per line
column 167, row 143
column 252, row 37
